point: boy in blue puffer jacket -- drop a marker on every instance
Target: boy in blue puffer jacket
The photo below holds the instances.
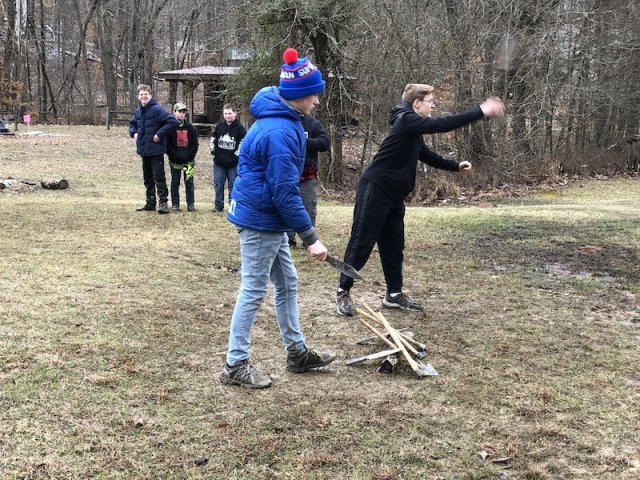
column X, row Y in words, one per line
column 150, row 125
column 265, row 204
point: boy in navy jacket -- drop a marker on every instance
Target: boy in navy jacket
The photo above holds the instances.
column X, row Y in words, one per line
column 149, row 126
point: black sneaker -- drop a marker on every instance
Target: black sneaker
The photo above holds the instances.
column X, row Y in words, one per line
column 344, row 303
column 292, row 242
column 245, row 375
column 218, row 208
column 148, row 207
column 401, row 301
column 163, row 207
column 191, row 208
column 300, row 362
column 175, row 208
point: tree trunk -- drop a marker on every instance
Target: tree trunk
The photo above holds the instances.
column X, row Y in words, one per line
column 10, row 46
column 104, row 28
column 88, row 89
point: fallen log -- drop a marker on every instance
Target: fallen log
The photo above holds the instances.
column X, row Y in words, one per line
column 54, row 183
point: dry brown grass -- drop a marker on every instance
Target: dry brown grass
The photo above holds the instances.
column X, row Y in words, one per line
column 114, row 326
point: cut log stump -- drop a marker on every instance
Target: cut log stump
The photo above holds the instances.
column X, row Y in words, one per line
column 54, row 183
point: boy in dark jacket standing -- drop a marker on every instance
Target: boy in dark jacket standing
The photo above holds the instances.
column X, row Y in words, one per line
column 150, row 125
column 182, row 147
column 378, row 215
column 225, row 144
column 317, row 141
column 265, row 204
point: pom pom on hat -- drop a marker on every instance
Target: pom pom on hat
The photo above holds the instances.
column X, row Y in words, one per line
column 290, row 56
column 299, row 77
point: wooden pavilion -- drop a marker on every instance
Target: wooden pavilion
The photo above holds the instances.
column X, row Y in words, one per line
column 214, row 80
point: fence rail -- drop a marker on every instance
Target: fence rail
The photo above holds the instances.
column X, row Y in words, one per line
column 119, row 116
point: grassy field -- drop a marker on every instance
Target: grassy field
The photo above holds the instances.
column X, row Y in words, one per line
column 114, row 326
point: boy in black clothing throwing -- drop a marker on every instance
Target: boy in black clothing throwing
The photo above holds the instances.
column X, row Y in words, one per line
column 182, row 147
column 378, row 215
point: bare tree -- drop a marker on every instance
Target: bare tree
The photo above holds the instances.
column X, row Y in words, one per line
column 567, row 69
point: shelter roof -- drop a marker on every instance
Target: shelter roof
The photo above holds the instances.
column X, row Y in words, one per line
column 199, row 73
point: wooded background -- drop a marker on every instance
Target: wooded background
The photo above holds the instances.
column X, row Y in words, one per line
column 568, row 70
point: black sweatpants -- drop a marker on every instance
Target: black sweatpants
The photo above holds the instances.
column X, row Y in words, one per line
column 376, row 218
column 154, row 178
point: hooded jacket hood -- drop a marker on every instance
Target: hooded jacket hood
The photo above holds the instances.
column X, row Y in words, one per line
column 268, row 103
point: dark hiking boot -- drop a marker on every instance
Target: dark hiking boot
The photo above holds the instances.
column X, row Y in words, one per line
column 148, row 207
column 344, row 303
column 300, row 362
column 401, row 301
column 163, row 207
column 244, row 375
column 218, row 208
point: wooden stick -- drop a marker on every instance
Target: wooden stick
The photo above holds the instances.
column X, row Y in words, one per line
column 376, row 332
column 379, row 318
column 365, row 340
column 397, row 339
column 388, row 326
column 410, row 339
column 414, row 365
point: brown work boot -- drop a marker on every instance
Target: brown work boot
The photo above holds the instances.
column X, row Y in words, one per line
column 303, row 361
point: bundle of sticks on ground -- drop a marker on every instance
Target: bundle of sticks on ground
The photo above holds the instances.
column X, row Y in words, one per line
column 400, row 342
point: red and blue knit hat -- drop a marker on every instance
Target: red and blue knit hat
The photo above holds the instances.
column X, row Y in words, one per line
column 298, row 76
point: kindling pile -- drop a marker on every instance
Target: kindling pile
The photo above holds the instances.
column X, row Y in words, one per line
column 400, row 343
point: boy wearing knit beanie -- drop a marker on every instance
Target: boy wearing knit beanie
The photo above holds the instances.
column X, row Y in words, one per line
column 265, row 204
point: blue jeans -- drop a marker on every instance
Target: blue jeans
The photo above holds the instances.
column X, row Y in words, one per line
column 220, row 176
column 176, row 174
column 265, row 256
